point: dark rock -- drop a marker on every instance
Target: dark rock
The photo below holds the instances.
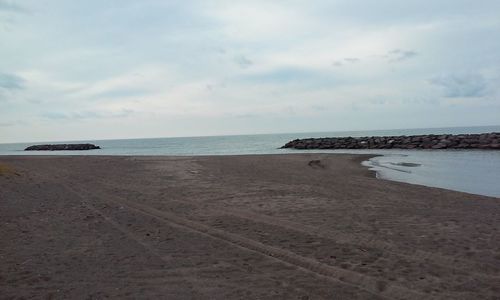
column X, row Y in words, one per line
column 316, row 164
column 431, row 141
column 60, row 147
column 439, row 146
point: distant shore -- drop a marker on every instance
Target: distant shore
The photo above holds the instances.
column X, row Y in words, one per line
column 306, row 226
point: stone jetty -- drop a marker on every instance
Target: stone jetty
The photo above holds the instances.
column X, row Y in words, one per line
column 487, row 141
column 60, row 147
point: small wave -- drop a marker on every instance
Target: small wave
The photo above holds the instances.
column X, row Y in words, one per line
column 374, row 164
column 405, row 164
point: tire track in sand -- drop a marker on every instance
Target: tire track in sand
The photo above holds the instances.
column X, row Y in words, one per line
column 363, row 240
column 349, row 278
column 128, row 233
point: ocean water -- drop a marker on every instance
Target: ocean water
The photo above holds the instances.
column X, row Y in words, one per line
column 472, row 171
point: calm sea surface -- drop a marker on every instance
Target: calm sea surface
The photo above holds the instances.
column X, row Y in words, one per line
column 472, row 171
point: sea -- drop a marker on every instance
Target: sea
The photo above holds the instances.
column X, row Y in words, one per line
column 470, row 171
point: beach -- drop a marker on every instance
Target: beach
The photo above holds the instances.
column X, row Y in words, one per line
column 291, row 226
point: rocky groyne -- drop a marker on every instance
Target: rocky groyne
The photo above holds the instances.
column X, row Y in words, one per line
column 428, row 141
column 60, row 147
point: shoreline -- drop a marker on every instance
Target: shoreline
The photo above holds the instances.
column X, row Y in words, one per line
column 257, row 226
column 381, row 171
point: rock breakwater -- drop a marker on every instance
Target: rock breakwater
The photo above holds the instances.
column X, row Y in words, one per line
column 60, row 147
column 490, row 141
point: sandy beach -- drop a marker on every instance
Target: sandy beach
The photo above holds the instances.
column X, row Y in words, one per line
column 298, row 226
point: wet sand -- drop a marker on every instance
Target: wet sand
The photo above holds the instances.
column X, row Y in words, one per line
column 301, row 226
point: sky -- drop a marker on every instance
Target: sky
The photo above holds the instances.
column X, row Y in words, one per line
column 102, row 69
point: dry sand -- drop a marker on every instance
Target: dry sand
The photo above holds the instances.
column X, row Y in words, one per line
column 238, row 227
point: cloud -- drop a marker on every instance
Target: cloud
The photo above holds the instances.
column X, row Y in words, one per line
column 347, row 60
column 11, row 82
column 351, row 59
column 122, row 93
column 197, row 62
column 10, row 6
column 398, row 55
column 211, row 87
column 243, row 62
column 461, row 85
column 83, row 115
column 283, row 75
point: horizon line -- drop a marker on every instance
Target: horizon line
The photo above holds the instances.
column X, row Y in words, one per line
column 243, row 134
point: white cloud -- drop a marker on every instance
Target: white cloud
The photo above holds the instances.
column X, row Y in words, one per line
column 11, row 82
column 10, row 6
column 462, row 85
column 204, row 64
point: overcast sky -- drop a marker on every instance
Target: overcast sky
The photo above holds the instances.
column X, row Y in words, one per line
column 101, row 69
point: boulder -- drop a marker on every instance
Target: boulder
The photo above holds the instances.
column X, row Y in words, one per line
column 430, row 141
column 61, row 147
